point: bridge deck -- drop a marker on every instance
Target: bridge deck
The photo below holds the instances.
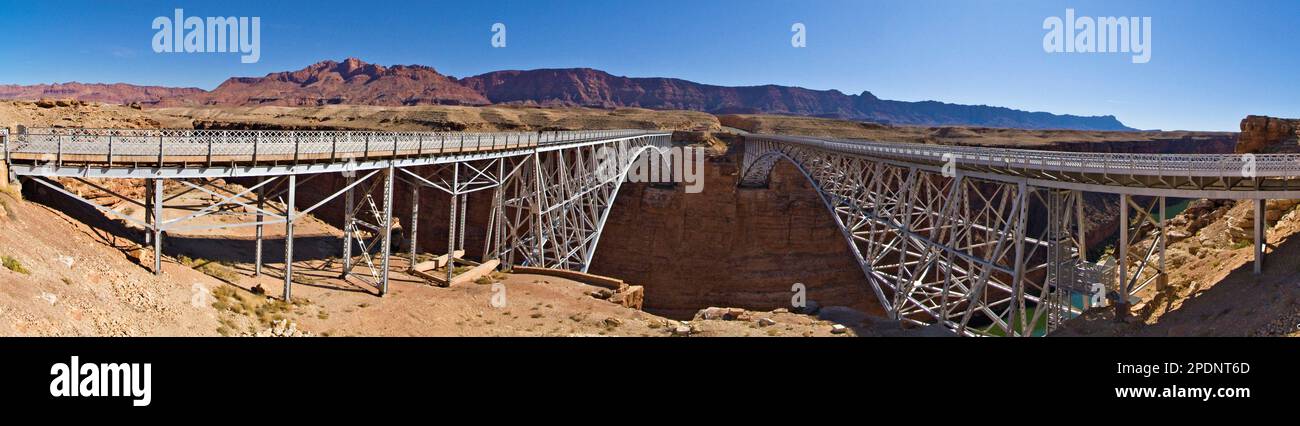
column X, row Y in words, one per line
column 1236, row 176
column 189, row 153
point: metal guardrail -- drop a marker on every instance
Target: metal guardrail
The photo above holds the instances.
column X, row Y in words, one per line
column 186, row 145
column 1198, row 165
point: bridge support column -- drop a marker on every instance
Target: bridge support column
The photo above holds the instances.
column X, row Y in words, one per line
column 451, row 224
column 1259, row 238
column 1162, row 281
column 1121, row 302
column 1082, row 225
column 388, row 229
column 492, row 240
column 148, row 211
column 289, row 217
column 415, row 220
column 349, row 203
column 157, row 214
column 460, row 228
column 257, row 245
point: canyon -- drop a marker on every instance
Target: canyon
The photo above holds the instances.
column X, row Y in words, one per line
column 727, row 246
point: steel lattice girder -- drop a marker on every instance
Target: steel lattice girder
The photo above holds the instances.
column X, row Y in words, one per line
column 953, row 250
column 555, row 208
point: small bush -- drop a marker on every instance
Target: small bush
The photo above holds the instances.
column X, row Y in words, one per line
column 13, row 265
column 211, row 269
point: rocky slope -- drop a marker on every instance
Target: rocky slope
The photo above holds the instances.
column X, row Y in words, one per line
column 354, row 82
column 1212, row 289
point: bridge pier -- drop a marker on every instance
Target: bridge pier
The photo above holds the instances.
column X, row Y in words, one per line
column 415, row 219
column 388, row 230
column 148, row 210
column 1121, row 302
column 451, row 225
column 1162, row 280
column 157, row 214
column 257, row 244
column 1259, row 238
column 349, row 203
column 289, row 217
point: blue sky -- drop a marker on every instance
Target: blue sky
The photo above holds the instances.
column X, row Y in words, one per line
column 1212, row 63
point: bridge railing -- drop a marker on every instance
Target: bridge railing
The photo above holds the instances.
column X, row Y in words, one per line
column 1214, row 165
column 196, row 146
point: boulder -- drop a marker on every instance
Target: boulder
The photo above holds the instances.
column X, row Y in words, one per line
column 602, row 293
column 632, row 296
column 715, row 313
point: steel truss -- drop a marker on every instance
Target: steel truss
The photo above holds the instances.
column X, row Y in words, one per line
column 549, row 203
column 954, row 249
column 555, row 209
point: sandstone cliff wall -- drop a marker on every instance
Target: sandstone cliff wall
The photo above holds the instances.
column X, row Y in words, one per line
column 730, row 246
column 1268, row 135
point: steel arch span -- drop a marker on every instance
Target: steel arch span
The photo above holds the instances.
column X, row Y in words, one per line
column 551, row 192
column 946, row 249
column 558, row 205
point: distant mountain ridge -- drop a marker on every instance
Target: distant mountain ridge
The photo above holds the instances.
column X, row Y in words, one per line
column 359, row 83
column 349, row 82
column 116, row 93
column 595, row 88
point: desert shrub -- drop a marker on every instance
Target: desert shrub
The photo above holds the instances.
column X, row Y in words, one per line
column 14, row 265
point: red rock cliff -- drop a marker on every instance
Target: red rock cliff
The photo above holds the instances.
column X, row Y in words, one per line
column 729, row 246
column 1268, row 134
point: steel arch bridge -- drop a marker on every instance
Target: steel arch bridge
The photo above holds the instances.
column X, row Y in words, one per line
column 990, row 241
column 551, row 192
column 983, row 241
